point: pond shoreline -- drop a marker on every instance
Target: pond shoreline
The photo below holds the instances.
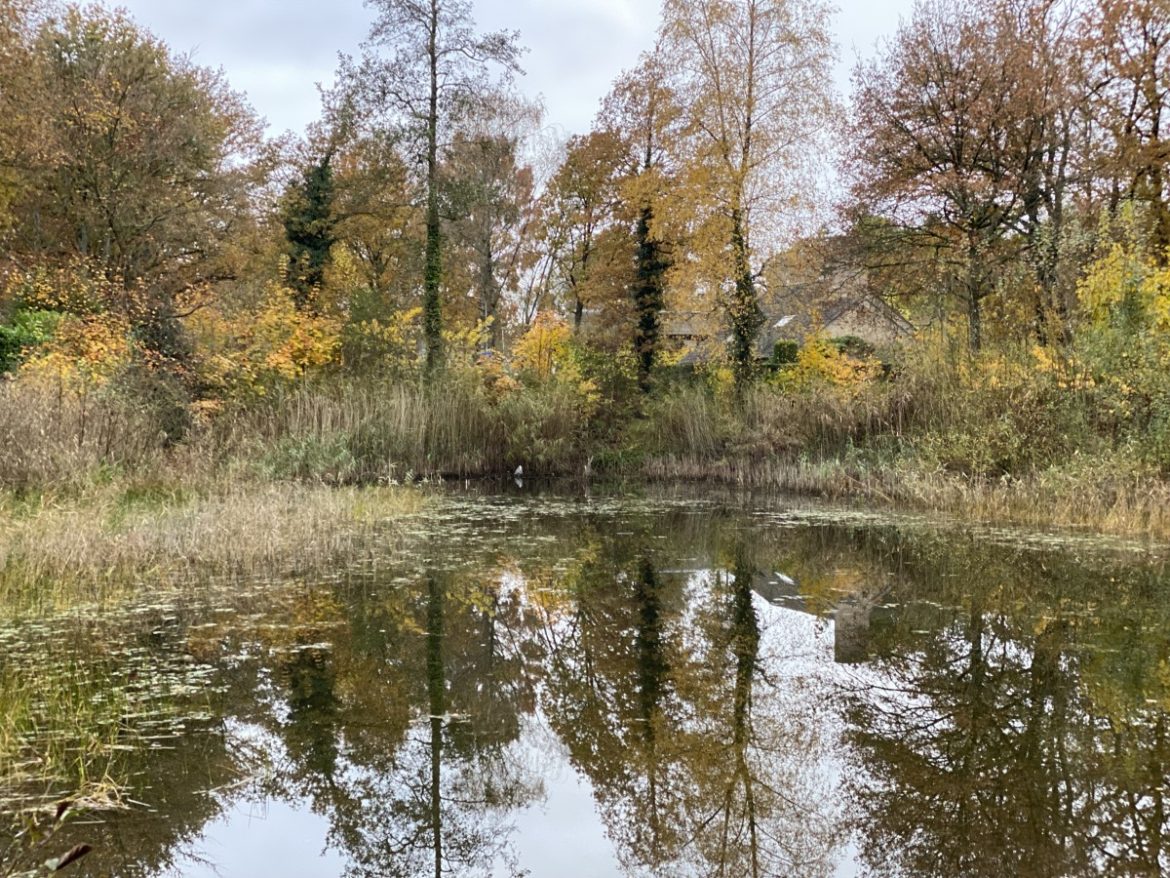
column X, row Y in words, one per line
column 1053, row 499
column 84, row 547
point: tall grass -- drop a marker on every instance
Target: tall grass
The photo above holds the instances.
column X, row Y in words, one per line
column 64, row 438
column 67, row 553
column 57, row 727
column 351, row 432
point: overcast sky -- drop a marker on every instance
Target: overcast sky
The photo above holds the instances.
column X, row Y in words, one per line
column 276, row 51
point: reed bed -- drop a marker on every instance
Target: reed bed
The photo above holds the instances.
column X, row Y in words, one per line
column 60, row 553
column 1102, row 502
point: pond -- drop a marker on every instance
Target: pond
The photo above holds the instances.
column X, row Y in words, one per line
column 666, row 685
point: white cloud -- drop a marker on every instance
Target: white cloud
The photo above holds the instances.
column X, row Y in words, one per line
column 277, row 52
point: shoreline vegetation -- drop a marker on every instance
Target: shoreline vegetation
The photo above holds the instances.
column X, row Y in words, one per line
column 1052, row 500
column 59, row 553
column 206, row 334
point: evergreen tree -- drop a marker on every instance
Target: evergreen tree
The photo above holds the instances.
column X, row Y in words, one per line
column 310, row 229
column 649, row 298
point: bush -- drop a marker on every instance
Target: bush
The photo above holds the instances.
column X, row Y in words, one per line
column 27, row 329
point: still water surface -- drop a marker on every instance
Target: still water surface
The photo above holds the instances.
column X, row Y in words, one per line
column 663, row 686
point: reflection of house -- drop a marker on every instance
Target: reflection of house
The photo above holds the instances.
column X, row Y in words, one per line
column 852, row 615
column 818, row 291
column 851, row 633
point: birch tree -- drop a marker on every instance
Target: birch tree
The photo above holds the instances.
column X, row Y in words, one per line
column 425, row 69
column 753, row 77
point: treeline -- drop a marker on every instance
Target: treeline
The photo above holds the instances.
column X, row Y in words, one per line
column 998, row 177
column 1016, row 141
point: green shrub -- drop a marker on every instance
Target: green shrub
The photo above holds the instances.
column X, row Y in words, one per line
column 26, row 329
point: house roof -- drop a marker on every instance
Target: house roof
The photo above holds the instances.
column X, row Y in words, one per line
column 792, row 319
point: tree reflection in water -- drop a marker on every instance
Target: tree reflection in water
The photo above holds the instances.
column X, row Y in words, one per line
column 403, row 731
column 1002, row 710
column 1020, row 725
column 657, row 687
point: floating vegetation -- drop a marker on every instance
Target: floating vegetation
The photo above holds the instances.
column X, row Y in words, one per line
column 95, row 551
column 521, row 640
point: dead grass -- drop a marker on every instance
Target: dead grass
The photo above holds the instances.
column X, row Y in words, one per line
column 1100, row 500
column 61, row 553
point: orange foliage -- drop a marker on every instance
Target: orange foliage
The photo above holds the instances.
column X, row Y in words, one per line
column 246, row 352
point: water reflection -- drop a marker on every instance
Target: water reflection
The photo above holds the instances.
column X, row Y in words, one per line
column 736, row 697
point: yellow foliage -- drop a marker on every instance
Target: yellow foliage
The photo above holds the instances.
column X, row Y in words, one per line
column 1126, row 278
column 820, row 362
column 496, row 381
column 84, row 352
column 1067, row 371
column 343, row 278
column 545, row 347
column 392, row 343
column 290, row 342
column 463, row 345
column 246, row 352
column 72, row 289
column 545, row 353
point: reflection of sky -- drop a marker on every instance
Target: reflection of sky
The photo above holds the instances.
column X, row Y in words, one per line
column 562, row 833
column 274, row 838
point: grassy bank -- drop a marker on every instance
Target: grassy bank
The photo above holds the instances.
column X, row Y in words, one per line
column 61, row 552
column 1012, row 434
column 1098, row 501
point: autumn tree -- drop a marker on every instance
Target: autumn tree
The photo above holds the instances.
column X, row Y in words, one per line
column 424, row 69
column 378, row 223
column 966, row 134
column 141, row 164
column 641, row 109
column 1128, row 43
column 580, row 207
column 489, row 206
column 753, row 77
column 18, row 143
column 1049, row 145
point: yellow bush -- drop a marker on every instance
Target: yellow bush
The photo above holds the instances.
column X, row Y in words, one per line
column 820, row 362
column 1127, row 283
column 83, row 352
column 391, row 344
column 246, row 352
column 71, row 289
column 545, row 355
column 544, row 350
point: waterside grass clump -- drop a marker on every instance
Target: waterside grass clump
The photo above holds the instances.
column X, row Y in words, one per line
column 64, row 552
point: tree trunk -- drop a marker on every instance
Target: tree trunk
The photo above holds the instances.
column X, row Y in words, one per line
column 744, row 312
column 433, row 272
column 975, row 295
column 489, row 298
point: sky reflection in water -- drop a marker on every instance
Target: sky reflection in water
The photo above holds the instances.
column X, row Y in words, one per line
column 648, row 687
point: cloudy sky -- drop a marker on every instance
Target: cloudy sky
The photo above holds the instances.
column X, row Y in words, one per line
column 276, row 51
